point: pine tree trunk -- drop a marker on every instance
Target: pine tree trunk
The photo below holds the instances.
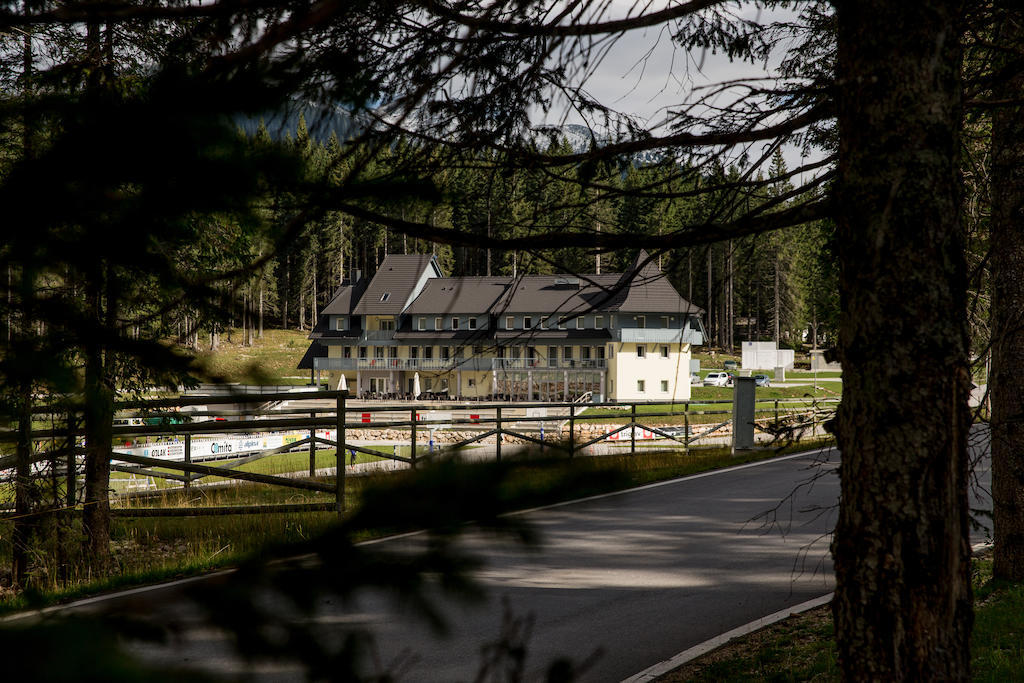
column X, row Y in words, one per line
column 287, row 290
column 99, row 418
column 1007, row 392
column 302, row 308
column 312, row 303
column 261, row 308
column 902, row 554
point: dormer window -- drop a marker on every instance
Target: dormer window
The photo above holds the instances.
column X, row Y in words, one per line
column 422, row 325
column 339, row 323
column 472, row 323
column 438, row 323
column 527, row 322
column 455, row 323
column 579, row 323
column 598, row 322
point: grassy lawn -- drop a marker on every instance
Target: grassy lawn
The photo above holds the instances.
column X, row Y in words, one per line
column 270, row 360
column 801, row 648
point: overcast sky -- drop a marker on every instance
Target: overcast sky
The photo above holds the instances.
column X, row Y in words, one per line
column 643, row 74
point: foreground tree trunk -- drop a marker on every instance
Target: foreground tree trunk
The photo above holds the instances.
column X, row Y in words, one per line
column 901, row 548
column 1008, row 300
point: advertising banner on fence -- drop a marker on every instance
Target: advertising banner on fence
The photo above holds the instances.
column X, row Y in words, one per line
column 641, row 433
column 221, row 446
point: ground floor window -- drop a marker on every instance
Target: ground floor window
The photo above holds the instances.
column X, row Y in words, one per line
column 664, row 385
column 640, row 386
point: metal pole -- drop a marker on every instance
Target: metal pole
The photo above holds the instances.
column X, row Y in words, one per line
column 497, row 441
column 188, row 460
column 339, row 477
column 776, row 416
column 412, row 456
column 632, row 429
column 312, row 448
column 572, row 430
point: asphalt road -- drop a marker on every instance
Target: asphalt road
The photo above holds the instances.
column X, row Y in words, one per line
column 637, row 576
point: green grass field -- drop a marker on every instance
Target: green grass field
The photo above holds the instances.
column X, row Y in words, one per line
column 270, row 360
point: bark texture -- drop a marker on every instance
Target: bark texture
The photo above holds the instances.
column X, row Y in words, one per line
column 1007, row 394
column 902, row 555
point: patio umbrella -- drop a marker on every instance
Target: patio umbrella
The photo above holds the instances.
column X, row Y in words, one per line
column 416, row 385
column 343, row 383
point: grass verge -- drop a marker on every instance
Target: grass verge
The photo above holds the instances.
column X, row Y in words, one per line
column 801, row 648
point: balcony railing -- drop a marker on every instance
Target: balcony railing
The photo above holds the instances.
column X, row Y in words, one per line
column 474, row 363
column 377, row 335
column 684, row 335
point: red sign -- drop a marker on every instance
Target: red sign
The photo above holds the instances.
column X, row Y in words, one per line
column 366, row 417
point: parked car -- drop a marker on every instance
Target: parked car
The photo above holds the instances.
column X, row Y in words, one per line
column 695, row 379
column 762, row 381
column 717, row 379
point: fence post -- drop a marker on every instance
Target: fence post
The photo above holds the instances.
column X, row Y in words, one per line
column 339, row 435
column 412, row 455
column 497, row 440
column 632, row 429
column 686, row 428
column 776, row 417
column 312, row 447
column 188, row 460
column 572, row 430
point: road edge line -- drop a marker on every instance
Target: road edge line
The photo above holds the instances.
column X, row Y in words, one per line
column 665, row 666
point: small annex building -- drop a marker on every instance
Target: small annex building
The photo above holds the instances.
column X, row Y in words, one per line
column 411, row 332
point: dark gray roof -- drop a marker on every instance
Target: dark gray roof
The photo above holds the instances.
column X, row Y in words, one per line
column 645, row 289
column 315, row 350
column 394, row 282
column 458, row 295
column 557, row 294
column 345, row 298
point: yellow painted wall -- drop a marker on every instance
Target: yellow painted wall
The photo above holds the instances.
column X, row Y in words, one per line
column 625, row 368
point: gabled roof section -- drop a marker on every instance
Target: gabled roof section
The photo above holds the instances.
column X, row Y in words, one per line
column 645, row 289
column 395, row 283
column 459, row 295
column 345, row 298
column 315, row 350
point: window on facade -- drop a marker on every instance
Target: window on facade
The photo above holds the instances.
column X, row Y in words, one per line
column 438, row 323
column 664, row 386
column 598, row 322
column 561, row 323
column 362, row 352
column 388, row 325
column 611, row 322
column 579, row 323
column 414, row 352
column 378, row 352
column 664, row 321
column 428, row 384
column 472, row 323
column 587, row 351
column 543, row 322
column 527, row 322
column 641, row 321
column 510, row 322
column 552, row 356
column 478, row 349
column 428, row 353
column 664, row 351
column 566, row 353
column 446, row 353
column 641, row 351
column 422, row 324
column 455, row 323
column 339, row 323
column 346, row 352
column 393, row 352
column 472, row 382
column 611, row 351
column 640, row 386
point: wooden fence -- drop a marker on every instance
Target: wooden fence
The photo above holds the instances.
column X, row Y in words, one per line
column 59, row 448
